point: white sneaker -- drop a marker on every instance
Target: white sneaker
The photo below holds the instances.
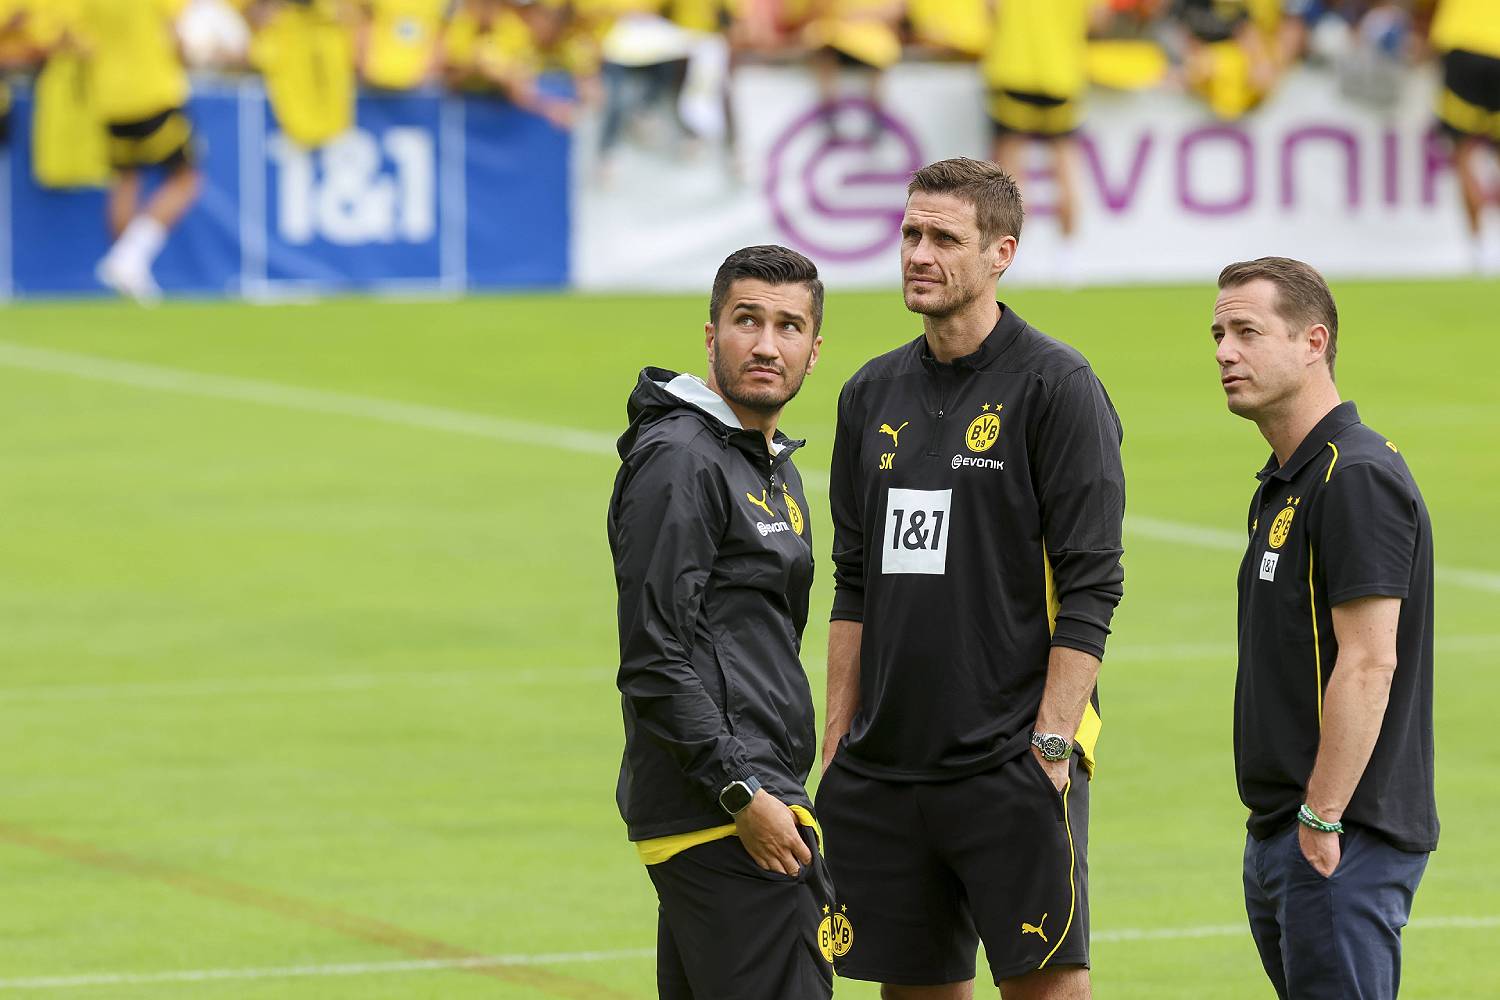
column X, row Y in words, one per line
column 132, row 282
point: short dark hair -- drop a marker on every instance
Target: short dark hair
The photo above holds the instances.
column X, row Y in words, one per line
column 1302, row 296
column 993, row 193
column 775, row 265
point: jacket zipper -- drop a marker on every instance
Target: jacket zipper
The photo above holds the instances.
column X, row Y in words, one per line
column 942, row 411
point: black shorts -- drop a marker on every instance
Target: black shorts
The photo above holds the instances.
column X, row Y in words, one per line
column 1469, row 104
column 925, row 871
column 728, row 929
column 164, row 140
column 1037, row 116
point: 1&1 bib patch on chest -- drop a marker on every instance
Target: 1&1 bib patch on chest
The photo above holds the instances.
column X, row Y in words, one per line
column 915, row 531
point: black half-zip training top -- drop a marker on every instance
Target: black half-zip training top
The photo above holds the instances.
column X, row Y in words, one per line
column 977, row 510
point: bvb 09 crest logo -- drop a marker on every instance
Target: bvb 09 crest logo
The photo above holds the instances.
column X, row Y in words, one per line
column 1282, row 527
column 793, row 512
column 984, row 430
column 835, row 935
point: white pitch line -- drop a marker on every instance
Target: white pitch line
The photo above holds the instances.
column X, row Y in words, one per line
column 299, row 684
column 290, row 397
column 301, row 971
column 1235, row 930
column 570, row 958
column 210, row 687
column 189, row 383
column 1147, row 652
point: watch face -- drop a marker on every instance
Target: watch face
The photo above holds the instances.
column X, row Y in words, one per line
column 1055, row 748
column 736, row 797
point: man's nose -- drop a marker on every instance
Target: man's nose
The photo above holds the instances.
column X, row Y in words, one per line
column 765, row 345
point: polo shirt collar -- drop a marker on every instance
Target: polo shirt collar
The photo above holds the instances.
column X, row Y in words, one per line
column 1004, row 333
column 1341, row 416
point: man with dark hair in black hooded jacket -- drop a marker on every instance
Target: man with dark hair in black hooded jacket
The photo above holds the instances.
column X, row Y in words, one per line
column 712, row 546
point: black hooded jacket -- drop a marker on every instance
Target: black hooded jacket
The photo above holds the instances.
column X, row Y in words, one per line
column 712, row 547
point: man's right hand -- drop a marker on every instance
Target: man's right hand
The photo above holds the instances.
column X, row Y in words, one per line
column 769, row 831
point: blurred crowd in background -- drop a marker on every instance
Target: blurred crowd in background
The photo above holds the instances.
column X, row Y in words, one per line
column 123, row 63
column 1231, row 52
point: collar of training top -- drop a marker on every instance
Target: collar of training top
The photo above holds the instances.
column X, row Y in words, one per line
column 695, row 392
column 1341, row 416
column 1004, row 333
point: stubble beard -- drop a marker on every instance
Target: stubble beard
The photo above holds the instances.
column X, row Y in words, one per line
column 946, row 306
column 768, row 399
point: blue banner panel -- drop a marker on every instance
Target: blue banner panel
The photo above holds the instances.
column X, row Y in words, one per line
column 517, row 177
column 366, row 209
column 427, row 192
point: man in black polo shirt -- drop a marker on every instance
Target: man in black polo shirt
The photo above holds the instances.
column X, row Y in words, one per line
column 712, row 546
column 1333, row 703
column 977, row 498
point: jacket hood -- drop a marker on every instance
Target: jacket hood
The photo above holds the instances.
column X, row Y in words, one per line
column 660, row 393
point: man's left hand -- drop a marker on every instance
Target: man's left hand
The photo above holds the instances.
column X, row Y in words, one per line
column 1322, row 850
column 1057, row 770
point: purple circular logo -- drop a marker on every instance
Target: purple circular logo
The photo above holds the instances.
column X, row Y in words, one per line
column 837, row 179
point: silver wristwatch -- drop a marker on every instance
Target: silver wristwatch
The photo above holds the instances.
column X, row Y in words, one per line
column 1052, row 746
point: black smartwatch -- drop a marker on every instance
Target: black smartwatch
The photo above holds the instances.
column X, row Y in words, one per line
column 735, row 796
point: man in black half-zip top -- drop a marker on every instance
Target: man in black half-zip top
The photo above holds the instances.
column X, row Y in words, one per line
column 712, row 546
column 977, row 500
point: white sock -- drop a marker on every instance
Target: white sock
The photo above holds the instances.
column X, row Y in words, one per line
column 140, row 243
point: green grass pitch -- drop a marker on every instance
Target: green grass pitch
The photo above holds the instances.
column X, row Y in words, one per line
column 307, row 639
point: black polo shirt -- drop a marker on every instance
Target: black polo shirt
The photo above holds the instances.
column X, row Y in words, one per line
column 1342, row 519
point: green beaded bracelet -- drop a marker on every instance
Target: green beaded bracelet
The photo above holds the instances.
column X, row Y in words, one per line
column 1308, row 818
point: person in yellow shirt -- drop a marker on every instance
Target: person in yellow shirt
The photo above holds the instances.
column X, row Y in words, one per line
column 1228, row 58
column 953, row 28
column 18, row 51
column 853, row 35
column 1467, row 33
column 1036, row 73
column 506, row 45
column 142, row 89
column 398, row 42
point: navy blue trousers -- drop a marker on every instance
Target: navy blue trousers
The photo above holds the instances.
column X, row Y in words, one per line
column 1338, row 937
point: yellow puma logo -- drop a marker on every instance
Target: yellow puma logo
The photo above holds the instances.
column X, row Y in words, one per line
column 1035, row 929
column 895, row 434
column 763, row 503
